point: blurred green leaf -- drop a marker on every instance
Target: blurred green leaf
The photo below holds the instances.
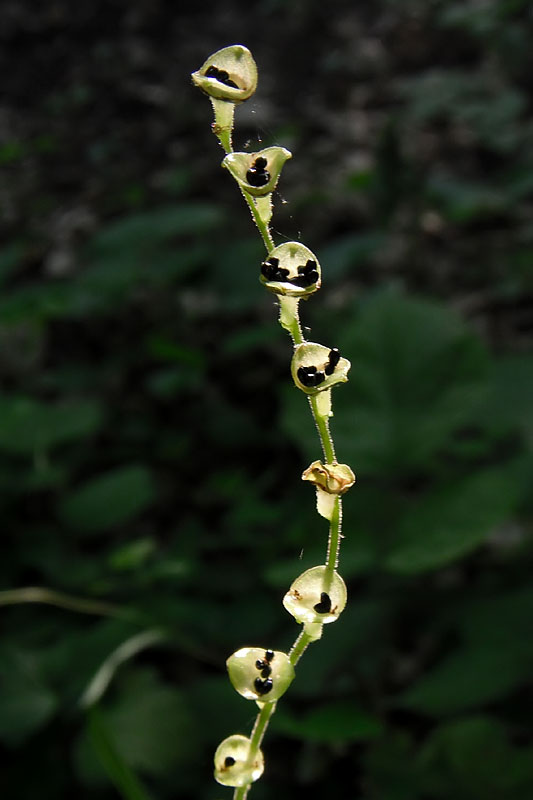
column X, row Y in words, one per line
column 473, row 758
column 118, row 770
column 468, row 678
column 110, row 499
column 26, row 702
column 334, row 722
column 449, row 522
column 29, row 427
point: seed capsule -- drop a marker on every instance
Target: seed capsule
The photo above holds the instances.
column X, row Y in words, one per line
column 297, row 269
column 250, row 169
column 255, row 673
column 309, row 601
column 233, row 766
column 229, row 74
column 315, row 367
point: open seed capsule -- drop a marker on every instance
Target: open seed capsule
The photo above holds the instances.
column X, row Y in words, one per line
column 312, row 369
column 257, row 173
column 291, row 269
column 310, row 599
column 259, row 674
column 332, row 478
column 229, row 74
column 233, row 766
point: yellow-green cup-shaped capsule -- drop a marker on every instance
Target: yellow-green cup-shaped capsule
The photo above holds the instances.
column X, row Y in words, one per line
column 312, row 598
column 259, row 674
column 315, row 367
column 257, row 173
column 233, row 765
column 291, row 269
column 229, row 74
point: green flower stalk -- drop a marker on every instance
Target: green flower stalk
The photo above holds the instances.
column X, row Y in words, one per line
column 292, row 272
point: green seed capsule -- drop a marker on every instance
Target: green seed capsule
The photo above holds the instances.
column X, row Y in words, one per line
column 233, row 766
column 259, row 674
column 311, row 359
column 310, row 599
column 244, row 168
column 291, row 269
column 229, row 74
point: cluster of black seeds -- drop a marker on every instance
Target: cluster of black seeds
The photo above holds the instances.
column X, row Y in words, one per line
column 264, row 684
column 311, row 376
column 221, row 76
column 324, row 606
column 257, row 175
column 307, row 274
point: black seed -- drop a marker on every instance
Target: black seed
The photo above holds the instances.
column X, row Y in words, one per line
column 257, row 178
column 260, row 163
column 301, row 281
column 263, row 687
column 269, row 655
column 269, row 270
column 305, row 279
column 324, row 607
column 220, row 75
column 260, row 664
column 229, row 761
column 333, row 360
column 266, row 671
column 309, row 376
column 274, row 261
column 304, row 376
column 308, row 267
column 282, row 274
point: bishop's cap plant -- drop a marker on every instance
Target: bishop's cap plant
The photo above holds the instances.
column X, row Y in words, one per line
column 235, row 764
column 259, row 674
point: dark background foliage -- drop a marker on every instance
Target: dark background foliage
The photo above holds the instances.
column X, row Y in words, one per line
column 150, row 439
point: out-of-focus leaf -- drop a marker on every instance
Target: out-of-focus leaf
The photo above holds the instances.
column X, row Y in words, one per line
column 390, row 768
column 28, row 427
column 117, row 769
column 447, row 523
column 469, row 678
column 132, row 555
column 9, row 260
column 26, row 702
column 108, row 500
column 473, row 758
column 510, row 401
column 335, row 722
column 345, row 255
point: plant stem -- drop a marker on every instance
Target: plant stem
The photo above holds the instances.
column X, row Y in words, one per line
column 322, row 425
column 264, row 230
column 334, row 543
column 299, row 647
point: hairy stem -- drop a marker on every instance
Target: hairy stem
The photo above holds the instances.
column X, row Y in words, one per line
column 322, row 426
